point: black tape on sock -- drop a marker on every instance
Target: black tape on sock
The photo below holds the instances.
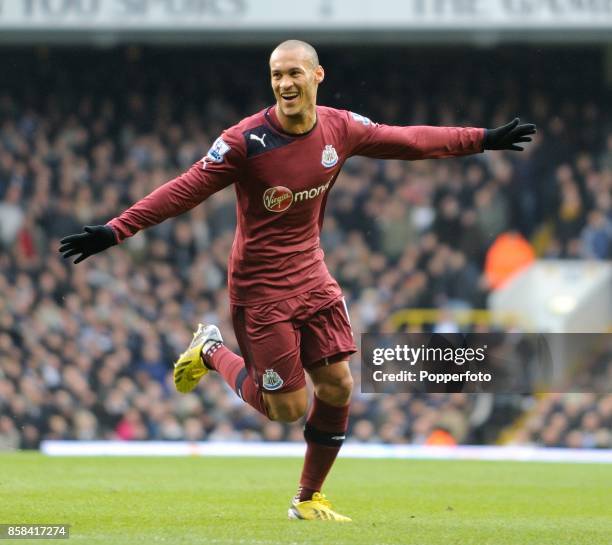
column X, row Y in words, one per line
column 325, row 438
column 242, row 375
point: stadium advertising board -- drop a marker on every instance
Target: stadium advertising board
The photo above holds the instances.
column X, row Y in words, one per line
column 173, row 15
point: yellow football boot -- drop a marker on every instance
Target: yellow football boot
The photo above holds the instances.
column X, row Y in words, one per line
column 318, row 508
column 189, row 368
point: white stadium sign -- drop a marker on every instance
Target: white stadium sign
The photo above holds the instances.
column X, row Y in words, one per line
column 493, row 18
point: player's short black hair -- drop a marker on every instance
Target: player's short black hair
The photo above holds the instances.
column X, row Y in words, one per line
column 296, row 44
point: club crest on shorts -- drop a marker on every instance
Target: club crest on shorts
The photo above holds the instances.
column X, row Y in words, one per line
column 271, row 380
column 329, row 157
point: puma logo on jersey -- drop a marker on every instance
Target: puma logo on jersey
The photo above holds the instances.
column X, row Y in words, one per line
column 259, row 139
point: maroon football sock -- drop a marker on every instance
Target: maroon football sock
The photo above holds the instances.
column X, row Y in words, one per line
column 324, row 432
column 231, row 367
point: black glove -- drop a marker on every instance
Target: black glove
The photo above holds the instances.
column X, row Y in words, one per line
column 96, row 238
column 507, row 136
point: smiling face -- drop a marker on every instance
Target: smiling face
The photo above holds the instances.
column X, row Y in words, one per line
column 295, row 75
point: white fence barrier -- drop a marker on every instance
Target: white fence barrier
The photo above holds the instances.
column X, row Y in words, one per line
column 350, row 450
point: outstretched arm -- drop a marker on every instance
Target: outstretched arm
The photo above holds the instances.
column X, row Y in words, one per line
column 424, row 142
column 171, row 199
column 215, row 171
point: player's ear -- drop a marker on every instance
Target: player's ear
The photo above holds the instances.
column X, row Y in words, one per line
column 319, row 74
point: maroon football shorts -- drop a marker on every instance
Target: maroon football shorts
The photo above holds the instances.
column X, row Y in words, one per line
column 279, row 340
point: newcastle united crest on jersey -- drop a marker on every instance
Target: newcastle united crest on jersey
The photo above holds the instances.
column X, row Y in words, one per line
column 329, row 157
column 271, row 380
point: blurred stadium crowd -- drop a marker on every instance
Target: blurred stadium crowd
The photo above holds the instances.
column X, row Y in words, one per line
column 86, row 351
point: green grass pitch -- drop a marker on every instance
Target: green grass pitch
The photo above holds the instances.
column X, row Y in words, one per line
column 237, row 501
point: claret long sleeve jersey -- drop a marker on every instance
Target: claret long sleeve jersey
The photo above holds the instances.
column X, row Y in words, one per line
column 282, row 183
